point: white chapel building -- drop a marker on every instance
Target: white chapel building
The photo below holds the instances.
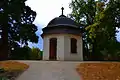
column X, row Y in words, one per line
column 62, row 40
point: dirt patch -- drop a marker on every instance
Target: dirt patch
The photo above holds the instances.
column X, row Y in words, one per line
column 99, row 71
column 12, row 69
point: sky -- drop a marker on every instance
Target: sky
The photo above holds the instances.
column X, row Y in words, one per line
column 47, row 10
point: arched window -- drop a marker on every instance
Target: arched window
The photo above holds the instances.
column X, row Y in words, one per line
column 73, row 45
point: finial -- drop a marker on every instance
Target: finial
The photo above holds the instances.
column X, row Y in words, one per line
column 62, row 10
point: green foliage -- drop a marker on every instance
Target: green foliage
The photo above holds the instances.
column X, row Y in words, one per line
column 16, row 23
column 2, row 70
column 83, row 12
column 100, row 21
column 105, row 27
column 21, row 27
column 35, row 54
column 3, row 78
column 26, row 53
column 21, row 53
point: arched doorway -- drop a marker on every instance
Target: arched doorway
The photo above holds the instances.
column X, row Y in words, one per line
column 53, row 49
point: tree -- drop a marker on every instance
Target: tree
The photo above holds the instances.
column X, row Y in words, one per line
column 104, row 26
column 83, row 12
column 99, row 20
column 17, row 24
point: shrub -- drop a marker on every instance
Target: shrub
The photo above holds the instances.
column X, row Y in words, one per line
column 2, row 70
column 3, row 78
column 21, row 53
column 35, row 54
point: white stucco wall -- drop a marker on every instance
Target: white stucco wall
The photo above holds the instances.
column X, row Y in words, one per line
column 63, row 47
column 68, row 55
column 60, row 47
column 45, row 48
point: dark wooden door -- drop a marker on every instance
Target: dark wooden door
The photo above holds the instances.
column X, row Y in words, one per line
column 53, row 49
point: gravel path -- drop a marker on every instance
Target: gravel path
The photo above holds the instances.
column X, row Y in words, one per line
column 50, row 70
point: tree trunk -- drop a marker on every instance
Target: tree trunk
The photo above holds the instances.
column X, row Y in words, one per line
column 4, row 35
column 95, row 55
column 4, row 45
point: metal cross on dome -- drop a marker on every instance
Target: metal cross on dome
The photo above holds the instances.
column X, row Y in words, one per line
column 62, row 10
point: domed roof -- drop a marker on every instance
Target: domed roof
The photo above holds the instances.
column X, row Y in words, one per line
column 62, row 25
column 62, row 20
